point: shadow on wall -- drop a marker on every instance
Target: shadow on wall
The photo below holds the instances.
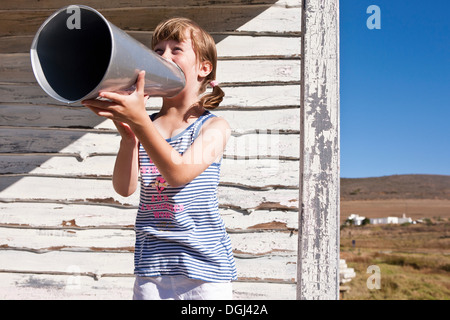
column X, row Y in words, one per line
column 33, row 127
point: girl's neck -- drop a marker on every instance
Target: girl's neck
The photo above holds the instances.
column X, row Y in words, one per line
column 181, row 107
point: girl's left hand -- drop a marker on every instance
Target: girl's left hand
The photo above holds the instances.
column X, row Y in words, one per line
column 126, row 108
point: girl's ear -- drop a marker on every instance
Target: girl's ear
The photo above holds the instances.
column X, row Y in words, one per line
column 205, row 69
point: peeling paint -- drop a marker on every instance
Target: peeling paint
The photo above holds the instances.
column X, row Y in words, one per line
column 318, row 257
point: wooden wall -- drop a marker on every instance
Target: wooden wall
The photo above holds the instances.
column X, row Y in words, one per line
column 65, row 233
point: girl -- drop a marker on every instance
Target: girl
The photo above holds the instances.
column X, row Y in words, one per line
column 182, row 249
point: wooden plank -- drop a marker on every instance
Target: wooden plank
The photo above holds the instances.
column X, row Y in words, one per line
column 263, row 291
column 57, row 166
column 43, row 240
column 263, row 243
column 257, row 47
column 253, row 173
column 277, row 121
column 25, row 115
column 15, row 44
column 77, row 142
column 241, row 121
column 276, row 268
column 261, row 18
column 229, row 45
column 245, row 245
column 318, row 259
column 16, row 68
column 250, row 145
column 59, row 216
column 93, row 264
column 259, row 71
column 111, row 4
column 75, row 216
column 32, row 286
column 62, row 287
column 72, row 190
column 259, row 220
column 235, row 97
column 262, row 96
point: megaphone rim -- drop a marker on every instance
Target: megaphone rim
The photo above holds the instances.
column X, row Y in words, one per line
column 35, row 63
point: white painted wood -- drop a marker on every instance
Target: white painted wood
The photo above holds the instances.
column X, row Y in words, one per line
column 229, row 45
column 54, row 165
column 15, row 286
column 258, row 47
column 67, row 239
column 56, row 196
column 116, row 240
column 254, row 173
column 265, row 243
column 265, row 144
column 273, row 268
column 56, row 215
column 93, row 264
column 18, row 286
column 287, row 95
column 260, row 173
column 236, row 97
column 33, row 188
column 255, row 220
column 240, row 120
column 114, row 4
column 278, row 18
column 263, row 291
column 260, row 18
column 16, row 68
column 318, row 259
column 74, row 216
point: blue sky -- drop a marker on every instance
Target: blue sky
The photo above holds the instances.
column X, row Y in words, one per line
column 395, row 88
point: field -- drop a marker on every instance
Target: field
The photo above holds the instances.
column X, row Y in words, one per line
column 413, row 259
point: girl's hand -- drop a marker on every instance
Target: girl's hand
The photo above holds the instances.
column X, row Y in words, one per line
column 125, row 108
column 125, row 132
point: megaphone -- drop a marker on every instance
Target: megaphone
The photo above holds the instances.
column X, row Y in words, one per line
column 76, row 53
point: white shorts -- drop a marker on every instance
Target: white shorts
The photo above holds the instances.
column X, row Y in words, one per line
column 180, row 288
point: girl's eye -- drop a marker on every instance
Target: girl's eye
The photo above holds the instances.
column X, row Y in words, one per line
column 159, row 51
column 177, row 49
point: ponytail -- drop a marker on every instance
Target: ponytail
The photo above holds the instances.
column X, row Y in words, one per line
column 213, row 99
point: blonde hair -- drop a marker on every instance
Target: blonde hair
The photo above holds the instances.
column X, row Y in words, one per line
column 204, row 48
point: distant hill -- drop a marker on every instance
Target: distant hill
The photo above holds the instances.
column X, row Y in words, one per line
column 396, row 187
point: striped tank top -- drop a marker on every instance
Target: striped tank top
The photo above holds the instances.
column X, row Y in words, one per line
column 179, row 231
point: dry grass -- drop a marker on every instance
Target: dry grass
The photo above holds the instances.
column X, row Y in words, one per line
column 414, row 260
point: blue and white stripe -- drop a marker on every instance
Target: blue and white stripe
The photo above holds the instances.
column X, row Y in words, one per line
column 179, row 231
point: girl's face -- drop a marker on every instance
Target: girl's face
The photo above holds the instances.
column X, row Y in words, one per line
column 183, row 54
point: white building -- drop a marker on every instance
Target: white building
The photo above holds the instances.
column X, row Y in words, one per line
column 393, row 220
column 357, row 220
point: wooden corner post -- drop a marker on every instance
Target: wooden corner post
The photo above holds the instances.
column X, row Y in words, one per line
column 318, row 250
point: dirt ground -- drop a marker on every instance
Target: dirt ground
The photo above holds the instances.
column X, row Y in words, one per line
column 413, row 208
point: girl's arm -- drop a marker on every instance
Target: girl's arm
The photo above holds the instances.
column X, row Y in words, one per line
column 176, row 169
column 126, row 168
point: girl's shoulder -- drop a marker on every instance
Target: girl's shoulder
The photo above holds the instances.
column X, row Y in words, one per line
column 213, row 121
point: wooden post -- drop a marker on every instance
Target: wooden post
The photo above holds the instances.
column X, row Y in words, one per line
column 318, row 251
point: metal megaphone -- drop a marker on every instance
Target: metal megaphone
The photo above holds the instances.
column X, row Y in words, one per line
column 77, row 53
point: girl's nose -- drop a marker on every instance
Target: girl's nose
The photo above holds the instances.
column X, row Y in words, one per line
column 166, row 55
